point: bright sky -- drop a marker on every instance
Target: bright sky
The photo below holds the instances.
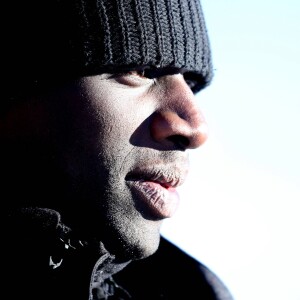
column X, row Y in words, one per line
column 240, row 208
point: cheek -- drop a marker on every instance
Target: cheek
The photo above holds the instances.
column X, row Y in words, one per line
column 111, row 117
column 117, row 120
column 113, row 137
column 114, row 114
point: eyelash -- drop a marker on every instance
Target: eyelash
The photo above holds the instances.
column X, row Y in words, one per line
column 137, row 77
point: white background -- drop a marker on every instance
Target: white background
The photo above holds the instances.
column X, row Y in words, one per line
column 240, row 207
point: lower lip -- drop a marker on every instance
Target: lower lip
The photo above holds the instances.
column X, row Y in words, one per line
column 161, row 202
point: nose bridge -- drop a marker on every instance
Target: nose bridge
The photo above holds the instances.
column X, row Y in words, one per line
column 181, row 100
column 179, row 118
column 187, row 109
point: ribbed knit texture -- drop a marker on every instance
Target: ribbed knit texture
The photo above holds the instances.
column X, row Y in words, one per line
column 71, row 38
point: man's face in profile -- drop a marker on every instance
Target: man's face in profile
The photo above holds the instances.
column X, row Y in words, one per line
column 107, row 152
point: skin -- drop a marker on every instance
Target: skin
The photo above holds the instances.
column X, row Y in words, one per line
column 81, row 149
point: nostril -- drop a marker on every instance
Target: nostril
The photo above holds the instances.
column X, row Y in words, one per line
column 184, row 132
column 180, row 141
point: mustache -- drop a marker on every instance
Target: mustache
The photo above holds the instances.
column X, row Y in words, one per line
column 169, row 169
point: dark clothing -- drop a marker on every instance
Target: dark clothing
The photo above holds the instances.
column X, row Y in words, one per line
column 34, row 269
column 171, row 274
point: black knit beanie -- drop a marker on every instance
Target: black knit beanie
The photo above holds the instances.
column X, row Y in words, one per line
column 47, row 39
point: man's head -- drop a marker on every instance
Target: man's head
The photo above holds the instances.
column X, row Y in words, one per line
column 100, row 127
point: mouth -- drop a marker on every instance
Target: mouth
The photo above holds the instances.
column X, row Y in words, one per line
column 155, row 189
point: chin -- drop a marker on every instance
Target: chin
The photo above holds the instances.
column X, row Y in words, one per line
column 133, row 245
column 143, row 251
column 135, row 252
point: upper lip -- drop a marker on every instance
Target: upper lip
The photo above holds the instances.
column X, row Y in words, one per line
column 166, row 176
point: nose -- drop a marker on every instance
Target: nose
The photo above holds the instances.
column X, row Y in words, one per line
column 179, row 121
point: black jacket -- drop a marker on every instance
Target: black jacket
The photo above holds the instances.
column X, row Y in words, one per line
column 31, row 269
column 170, row 274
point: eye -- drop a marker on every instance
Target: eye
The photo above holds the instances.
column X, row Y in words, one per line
column 134, row 78
column 191, row 82
column 140, row 74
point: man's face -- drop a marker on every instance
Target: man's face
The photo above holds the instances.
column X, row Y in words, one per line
column 107, row 152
